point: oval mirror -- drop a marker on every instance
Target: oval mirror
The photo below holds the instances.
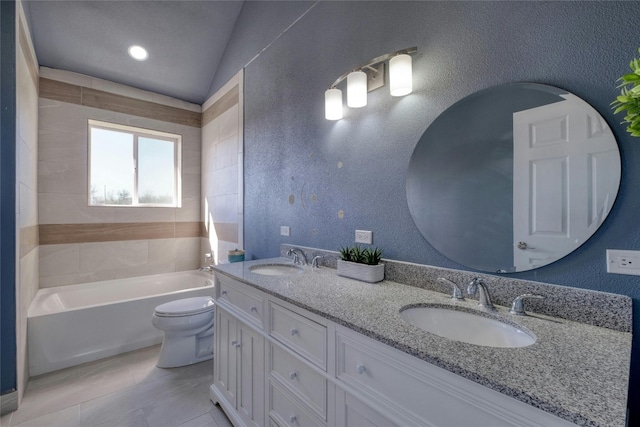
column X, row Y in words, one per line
column 513, row 177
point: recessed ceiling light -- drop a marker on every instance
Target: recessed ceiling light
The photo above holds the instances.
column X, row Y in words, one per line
column 138, row 52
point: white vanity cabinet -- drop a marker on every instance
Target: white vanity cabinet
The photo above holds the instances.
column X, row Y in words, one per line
column 301, row 370
column 351, row 412
column 297, row 361
column 239, row 367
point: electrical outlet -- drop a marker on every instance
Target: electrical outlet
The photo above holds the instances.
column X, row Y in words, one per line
column 623, row 262
column 285, row 231
column 363, row 236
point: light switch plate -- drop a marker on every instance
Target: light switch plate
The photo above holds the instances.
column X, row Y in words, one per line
column 285, row 230
column 623, row 262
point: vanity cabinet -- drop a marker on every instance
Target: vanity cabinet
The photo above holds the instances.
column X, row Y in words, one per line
column 350, row 412
column 276, row 364
column 239, row 365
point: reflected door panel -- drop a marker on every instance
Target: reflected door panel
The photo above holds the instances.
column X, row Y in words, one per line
column 513, row 177
column 558, row 153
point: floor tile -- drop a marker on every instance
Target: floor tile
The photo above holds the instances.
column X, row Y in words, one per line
column 127, row 390
column 132, row 419
column 204, row 420
column 67, row 417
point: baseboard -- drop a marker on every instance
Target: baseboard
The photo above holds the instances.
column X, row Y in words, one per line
column 8, row 402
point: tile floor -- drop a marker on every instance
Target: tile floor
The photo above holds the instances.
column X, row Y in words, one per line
column 127, row 390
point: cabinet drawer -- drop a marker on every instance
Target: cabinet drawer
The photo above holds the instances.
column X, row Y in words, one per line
column 300, row 379
column 350, row 412
column 285, row 411
column 250, row 303
column 303, row 335
column 386, row 376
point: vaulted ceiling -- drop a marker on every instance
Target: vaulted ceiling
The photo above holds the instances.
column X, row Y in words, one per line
column 185, row 40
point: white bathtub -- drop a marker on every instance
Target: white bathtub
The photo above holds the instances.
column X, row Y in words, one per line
column 70, row 325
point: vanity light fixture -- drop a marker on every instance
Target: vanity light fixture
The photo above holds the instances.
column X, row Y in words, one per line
column 333, row 104
column 368, row 77
column 138, row 52
column 400, row 75
column 357, row 89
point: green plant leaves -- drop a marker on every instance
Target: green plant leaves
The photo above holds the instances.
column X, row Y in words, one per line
column 629, row 98
column 361, row 256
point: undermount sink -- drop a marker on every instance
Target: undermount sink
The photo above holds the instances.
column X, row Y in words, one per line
column 466, row 327
column 276, row 269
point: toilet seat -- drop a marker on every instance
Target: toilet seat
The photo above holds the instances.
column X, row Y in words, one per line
column 185, row 307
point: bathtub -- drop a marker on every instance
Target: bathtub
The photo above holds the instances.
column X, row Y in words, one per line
column 70, row 325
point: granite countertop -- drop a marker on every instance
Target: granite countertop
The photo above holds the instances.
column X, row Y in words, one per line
column 576, row 371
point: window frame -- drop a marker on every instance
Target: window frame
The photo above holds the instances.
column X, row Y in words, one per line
column 138, row 132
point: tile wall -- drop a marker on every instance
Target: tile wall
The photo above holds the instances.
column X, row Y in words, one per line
column 27, row 188
column 222, row 168
column 81, row 243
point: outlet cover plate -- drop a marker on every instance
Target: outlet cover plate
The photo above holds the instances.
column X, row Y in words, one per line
column 623, row 262
column 285, row 230
column 363, row 236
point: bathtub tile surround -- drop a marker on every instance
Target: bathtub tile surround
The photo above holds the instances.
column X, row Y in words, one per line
column 26, row 190
column 222, row 171
column 574, row 370
column 124, row 390
column 601, row 309
column 82, row 243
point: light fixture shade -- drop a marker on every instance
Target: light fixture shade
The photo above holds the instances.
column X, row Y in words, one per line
column 400, row 75
column 333, row 104
column 357, row 89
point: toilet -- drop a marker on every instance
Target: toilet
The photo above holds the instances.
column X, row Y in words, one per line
column 188, row 331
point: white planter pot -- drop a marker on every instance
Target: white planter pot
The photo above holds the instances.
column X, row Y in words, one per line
column 363, row 272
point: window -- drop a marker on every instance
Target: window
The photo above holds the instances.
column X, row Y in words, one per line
column 130, row 166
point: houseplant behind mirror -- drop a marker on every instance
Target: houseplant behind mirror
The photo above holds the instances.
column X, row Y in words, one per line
column 629, row 98
column 361, row 264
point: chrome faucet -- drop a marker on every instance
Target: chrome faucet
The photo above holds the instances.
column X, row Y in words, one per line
column 208, row 259
column 315, row 262
column 484, row 298
column 457, row 293
column 517, row 306
column 298, row 256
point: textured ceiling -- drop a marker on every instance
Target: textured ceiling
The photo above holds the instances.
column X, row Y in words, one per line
column 185, row 40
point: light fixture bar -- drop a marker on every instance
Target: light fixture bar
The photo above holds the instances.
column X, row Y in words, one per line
column 376, row 61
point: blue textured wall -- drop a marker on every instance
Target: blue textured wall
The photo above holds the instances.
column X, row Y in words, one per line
column 7, row 199
column 326, row 179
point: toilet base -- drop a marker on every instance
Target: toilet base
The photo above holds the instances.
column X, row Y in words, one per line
column 179, row 350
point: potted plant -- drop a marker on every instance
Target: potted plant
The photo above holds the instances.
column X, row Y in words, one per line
column 361, row 264
column 629, row 98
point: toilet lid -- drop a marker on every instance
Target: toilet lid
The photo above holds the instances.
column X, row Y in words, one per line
column 186, row 306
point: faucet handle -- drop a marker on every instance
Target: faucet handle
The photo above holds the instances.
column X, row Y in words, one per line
column 517, row 306
column 457, row 293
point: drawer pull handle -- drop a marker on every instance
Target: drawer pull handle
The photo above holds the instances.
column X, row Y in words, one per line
column 293, row 375
column 235, row 343
column 293, row 419
column 254, row 309
column 223, row 293
column 361, row 369
column 294, row 331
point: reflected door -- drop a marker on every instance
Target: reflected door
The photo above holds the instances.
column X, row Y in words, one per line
column 561, row 153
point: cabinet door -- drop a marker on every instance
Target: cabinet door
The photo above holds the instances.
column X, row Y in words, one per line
column 225, row 355
column 350, row 412
column 250, row 375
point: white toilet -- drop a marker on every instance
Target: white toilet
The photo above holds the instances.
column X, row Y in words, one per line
column 188, row 331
